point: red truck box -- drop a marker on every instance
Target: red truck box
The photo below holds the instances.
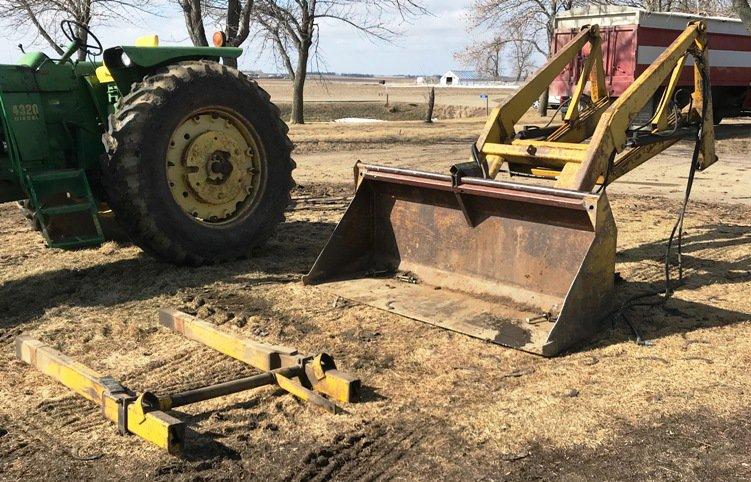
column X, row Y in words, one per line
column 633, row 38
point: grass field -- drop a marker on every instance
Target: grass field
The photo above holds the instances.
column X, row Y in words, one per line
column 436, row 405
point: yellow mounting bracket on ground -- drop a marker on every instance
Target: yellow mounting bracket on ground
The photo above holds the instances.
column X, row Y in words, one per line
column 522, row 265
column 312, row 379
column 612, row 150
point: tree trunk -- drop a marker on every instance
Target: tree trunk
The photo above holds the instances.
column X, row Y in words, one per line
column 194, row 22
column 542, row 109
column 298, row 91
column 431, row 105
column 84, row 36
column 233, row 24
column 233, row 19
column 743, row 10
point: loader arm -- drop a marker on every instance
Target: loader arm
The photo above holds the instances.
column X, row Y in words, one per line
column 613, row 148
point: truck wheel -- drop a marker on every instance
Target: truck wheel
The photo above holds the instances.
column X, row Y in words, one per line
column 199, row 166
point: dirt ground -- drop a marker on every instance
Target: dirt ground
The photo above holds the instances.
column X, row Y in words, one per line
column 436, row 405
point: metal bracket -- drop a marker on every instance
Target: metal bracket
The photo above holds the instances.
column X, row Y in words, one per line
column 122, row 413
column 122, row 398
column 306, row 377
column 335, row 384
column 117, row 403
column 113, row 386
column 465, row 210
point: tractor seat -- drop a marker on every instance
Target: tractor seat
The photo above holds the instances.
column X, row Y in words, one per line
column 103, row 73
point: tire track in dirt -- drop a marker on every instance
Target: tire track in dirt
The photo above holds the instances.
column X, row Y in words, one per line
column 15, row 443
column 25, row 439
column 72, row 414
column 158, row 367
column 32, row 449
column 373, row 453
column 189, row 369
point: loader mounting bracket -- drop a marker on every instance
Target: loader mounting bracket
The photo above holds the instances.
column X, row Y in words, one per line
column 314, row 379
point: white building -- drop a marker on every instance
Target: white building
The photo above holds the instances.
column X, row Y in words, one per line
column 472, row 78
column 460, row 77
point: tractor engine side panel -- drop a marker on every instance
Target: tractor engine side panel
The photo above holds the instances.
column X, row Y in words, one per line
column 49, row 120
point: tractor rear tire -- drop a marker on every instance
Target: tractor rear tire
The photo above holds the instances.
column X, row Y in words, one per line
column 139, row 171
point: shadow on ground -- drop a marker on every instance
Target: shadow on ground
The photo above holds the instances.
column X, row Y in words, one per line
column 658, row 320
column 300, row 242
column 733, row 131
column 690, row 446
column 143, row 277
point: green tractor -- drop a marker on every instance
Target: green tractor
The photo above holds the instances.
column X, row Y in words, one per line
column 190, row 155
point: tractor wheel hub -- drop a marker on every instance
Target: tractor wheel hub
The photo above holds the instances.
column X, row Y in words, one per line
column 221, row 166
column 212, row 166
column 217, row 168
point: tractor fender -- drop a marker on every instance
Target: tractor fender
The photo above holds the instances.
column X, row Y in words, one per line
column 128, row 64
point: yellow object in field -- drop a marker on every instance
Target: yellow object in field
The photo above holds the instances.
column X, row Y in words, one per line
column 308, row 378
column 157, row 427
column 148, row 41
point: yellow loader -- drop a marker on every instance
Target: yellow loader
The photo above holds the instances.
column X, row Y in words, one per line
column 523, row 265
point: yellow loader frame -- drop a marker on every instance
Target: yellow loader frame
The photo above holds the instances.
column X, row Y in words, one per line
column 610, row 153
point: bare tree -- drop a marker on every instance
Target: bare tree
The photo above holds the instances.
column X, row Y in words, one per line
column 486, row 57
column 521, row 48
column 538, row 16
column 291, row 27
column 233, row 14
column 193, row 14
column 521, row 58
column 431, row 106
column 699, row 7
column 535, row 16
column 45, row 16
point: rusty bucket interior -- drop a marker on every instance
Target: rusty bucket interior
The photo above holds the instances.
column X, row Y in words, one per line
column 523, row 266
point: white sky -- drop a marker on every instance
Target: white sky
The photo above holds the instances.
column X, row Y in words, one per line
column 427, row 46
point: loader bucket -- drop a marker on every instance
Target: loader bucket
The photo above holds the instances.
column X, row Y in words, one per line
column 523, row 266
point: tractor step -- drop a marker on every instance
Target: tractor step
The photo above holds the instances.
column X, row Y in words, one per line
column 58, row 175
column 79, row 242
column 65, row 207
